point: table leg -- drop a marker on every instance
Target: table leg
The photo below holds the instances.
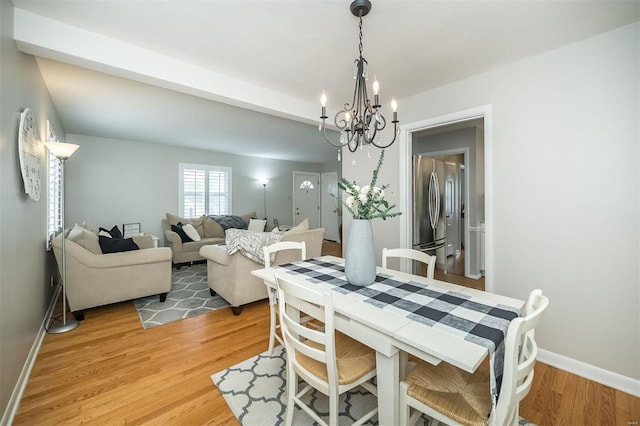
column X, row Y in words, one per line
column 388, row 370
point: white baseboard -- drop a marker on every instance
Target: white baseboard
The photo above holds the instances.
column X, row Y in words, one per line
column 588, row 371
column 21, row 384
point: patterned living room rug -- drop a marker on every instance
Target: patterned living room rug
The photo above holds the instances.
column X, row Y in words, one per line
column 189, row 296
column 255, row 391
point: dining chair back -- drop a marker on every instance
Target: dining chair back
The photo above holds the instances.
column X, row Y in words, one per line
column 412, row 254
column 455, row 397
column 284, row 245
column 273, row 297
column 326, row 360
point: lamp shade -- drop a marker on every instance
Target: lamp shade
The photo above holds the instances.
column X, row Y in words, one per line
column 62, row 150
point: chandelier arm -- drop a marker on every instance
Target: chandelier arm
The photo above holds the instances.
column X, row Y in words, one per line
column 324, row 133
column 343, row 123
column 395, row 134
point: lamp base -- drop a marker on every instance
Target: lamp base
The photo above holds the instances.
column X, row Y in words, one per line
column 58, row 326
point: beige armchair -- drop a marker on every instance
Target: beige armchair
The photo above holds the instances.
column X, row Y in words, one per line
column 230, row 275
column 99, row 279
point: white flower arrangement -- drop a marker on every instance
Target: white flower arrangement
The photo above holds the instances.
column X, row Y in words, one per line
column 367, row 202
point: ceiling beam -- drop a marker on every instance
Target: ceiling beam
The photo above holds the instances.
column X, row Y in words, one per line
column 48, row 38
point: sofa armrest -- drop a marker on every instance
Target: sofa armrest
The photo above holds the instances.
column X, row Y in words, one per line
column 216, row 253
column 174, row 239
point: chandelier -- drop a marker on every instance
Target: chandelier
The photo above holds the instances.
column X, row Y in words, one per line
column 360, row 122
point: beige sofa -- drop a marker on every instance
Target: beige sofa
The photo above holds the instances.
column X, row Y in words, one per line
column 230, row 275
column 209, row 230
column 99, row 279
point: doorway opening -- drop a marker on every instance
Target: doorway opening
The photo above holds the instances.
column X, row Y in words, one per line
column 455, row 147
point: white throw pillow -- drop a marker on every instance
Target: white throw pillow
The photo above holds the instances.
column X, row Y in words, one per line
column 104, row 234
column 85, row 238
column 257, row 225
column 191, row 232
column 302, row 226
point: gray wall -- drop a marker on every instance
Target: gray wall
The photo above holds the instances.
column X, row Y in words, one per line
column 111, row 182
column 25, row 265
column 566, row 192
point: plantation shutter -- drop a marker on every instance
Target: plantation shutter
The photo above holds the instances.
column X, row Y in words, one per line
column 54, row 194
column 218, row 190
column 204, row 190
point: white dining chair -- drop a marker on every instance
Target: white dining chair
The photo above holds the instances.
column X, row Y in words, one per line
column 406, row 253
column 453, row 396
column 326, row 360
column 273, row 299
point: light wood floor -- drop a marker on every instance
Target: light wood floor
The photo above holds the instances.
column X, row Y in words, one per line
column 112, row 371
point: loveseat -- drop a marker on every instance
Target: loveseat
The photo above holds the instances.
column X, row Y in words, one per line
column 96, row 279
column 230, row 275
column 209, row 231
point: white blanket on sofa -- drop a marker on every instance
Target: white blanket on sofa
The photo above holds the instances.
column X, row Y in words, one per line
column 250, row 243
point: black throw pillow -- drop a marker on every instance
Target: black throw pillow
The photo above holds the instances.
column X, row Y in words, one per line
column 178, row 230
column 114, row 232
column 116, row 245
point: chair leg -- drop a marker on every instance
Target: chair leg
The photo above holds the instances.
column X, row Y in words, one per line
column 211, row 292
column 237, row 310
column 163, row 297
column 79, row 315
column 403, row 405
column 272, row 327
column 333, row 408
column 292, row 389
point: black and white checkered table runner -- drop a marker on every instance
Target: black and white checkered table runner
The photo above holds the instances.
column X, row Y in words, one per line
column 478, row 321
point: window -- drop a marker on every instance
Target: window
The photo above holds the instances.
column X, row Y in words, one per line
column 204, row 190
column 54, row 181
column 307, row 184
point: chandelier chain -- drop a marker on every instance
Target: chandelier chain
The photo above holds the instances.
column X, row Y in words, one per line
column 360, row 45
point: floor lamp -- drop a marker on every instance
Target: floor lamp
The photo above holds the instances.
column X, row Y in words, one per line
column 264, row 183
column 62, row 151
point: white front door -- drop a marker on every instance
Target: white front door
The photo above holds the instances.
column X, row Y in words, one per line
column 306, row 198
column 329, row 205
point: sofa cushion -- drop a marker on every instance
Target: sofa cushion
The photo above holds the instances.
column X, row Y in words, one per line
column 114, row 232
column 196, row 222
column 143, row 241
column 212, row 228
column 257, row 225
column 247, row 217
column 116, row 245
column 177, row 228
column 302, row 226
column 191, row 232
column 85, row 238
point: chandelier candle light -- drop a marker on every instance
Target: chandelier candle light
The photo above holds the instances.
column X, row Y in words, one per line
column 360, row 121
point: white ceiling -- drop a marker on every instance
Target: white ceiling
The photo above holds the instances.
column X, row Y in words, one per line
column 245, row 76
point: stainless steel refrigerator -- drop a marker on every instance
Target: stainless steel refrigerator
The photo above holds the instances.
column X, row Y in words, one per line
column 429, row 222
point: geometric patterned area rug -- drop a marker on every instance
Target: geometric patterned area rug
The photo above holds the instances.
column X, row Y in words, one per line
column 254, row 390
column 189, row 296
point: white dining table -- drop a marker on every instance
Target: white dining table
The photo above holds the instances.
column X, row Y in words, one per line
column 390, row 332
